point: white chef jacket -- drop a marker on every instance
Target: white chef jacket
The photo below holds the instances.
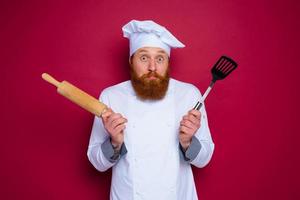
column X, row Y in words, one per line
column 152, row 168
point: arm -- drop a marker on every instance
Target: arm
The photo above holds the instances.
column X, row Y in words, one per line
column 103, row 150
column 196, row 145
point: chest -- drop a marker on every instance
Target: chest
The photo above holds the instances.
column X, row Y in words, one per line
column 151, row 126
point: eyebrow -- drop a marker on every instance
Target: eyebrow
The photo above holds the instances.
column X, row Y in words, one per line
column 145, row 51
column 142, row 51
column 161, row 51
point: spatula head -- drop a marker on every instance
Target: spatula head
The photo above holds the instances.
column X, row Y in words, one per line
column 223, row 67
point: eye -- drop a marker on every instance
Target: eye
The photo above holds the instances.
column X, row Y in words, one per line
column 143, row 58
column 160, row 59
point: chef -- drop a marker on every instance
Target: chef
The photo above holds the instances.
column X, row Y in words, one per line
column 150, row 135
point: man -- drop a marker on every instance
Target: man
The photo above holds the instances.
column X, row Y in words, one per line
column 150, row 135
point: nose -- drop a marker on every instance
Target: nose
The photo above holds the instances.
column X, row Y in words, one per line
column 152, row 65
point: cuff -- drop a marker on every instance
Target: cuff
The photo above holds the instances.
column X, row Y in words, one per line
column 110, row 153
column 192, row 151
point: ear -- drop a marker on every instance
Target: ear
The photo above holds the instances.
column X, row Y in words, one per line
column 130, row 60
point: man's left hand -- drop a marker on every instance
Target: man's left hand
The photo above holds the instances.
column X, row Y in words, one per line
column 189, row 125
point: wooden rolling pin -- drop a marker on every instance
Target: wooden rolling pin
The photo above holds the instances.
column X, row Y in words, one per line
column 76, row 95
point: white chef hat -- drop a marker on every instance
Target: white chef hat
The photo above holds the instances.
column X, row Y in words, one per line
column 149, row 34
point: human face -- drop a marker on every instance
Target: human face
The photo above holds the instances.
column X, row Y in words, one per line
column 149, row 70
column 150, row 59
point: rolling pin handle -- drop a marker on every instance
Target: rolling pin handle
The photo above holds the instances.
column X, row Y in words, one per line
column 50, row 79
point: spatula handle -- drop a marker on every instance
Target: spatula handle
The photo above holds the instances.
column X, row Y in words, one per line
column 199, row 105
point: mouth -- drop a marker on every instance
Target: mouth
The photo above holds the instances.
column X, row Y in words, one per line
column 152, row 77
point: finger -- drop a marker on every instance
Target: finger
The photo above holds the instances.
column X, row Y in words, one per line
column 185, row 130
column 118, row 121
column 119, row 128
column 188, row 124
column 189, row 130
column 189, row 117
column 195, row 113
column 107, row 113
column 192, row 119
column 185, row 117
column 113, row 117
column 108, row 110
column 105, row 117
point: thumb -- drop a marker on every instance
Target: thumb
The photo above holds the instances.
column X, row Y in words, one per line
column 106, row 114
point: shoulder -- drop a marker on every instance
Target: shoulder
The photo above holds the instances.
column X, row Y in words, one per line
column 186, row 94
column 119, row 88
column 118, row 91
column 184, row 88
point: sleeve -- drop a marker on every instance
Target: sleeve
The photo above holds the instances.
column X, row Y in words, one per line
column 100, row 150
column 192, row 151
column 201, row 149
column 110, row 152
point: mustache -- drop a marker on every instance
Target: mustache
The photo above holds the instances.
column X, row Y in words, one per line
column 152, row 74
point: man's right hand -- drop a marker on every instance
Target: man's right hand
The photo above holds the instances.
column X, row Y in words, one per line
column 114, row 124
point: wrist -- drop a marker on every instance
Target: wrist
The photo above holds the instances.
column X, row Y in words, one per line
column 116, row 145
column 185, row 144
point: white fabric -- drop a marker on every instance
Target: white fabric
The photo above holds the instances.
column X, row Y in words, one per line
column 149, row 34
column 152, row 168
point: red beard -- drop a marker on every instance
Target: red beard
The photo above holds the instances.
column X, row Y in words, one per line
column 147, row 88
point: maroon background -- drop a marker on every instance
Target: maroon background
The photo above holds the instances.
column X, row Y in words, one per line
column 252, row 113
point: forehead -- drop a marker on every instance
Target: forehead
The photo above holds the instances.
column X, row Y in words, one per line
column 151, row 50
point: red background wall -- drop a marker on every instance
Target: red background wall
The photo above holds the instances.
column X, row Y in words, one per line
column 252, row 114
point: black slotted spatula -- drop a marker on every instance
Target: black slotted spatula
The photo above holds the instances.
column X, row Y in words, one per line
column 223, row 67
